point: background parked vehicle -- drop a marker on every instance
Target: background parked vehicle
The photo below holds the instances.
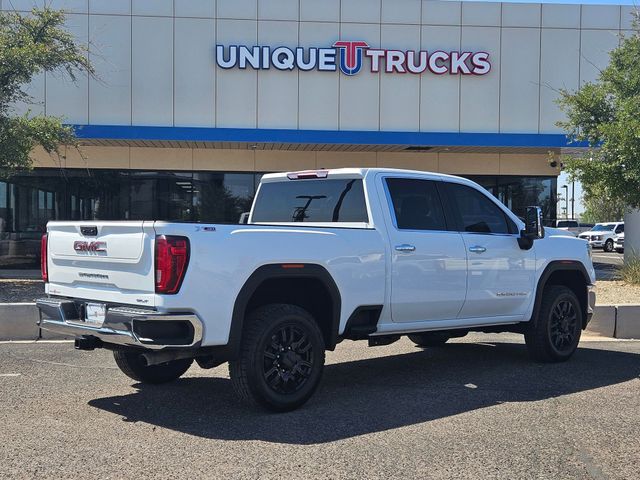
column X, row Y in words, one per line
column 602, row 235
column 619, row 243
column 573, row 226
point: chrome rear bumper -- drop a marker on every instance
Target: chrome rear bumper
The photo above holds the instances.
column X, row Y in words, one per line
column 122, row 325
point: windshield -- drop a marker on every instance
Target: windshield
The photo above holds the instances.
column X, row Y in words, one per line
column 602, row 228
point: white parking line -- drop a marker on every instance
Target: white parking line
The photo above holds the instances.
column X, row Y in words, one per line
column 10, row 374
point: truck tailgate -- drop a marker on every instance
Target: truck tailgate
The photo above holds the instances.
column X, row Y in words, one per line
column 104, row 261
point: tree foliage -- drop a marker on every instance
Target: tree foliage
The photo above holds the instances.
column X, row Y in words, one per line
column 606, row 115
column 599, row 207
column 29, row 45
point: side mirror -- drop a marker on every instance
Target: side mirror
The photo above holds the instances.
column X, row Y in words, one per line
column 244, row 218
column 533, row 223
column 533, row 229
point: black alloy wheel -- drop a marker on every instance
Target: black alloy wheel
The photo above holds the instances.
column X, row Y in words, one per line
column 288, row 359
column 554, row 334
column 564, row 325
column 281, row 358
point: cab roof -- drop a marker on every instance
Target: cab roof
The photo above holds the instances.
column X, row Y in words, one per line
column 351, row 173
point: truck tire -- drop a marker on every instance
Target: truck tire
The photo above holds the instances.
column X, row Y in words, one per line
column 554, row 335
column 281, row 358
column 429, row 339
column 608, row 246
column 132, row 365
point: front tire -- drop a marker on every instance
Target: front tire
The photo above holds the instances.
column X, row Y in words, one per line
column 132, row 365
column 608, row 246
column 429, row 339
column 554, row 335
column 281, row 359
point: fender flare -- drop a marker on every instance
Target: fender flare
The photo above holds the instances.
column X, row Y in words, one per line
column 551, row 268
column 279, row 270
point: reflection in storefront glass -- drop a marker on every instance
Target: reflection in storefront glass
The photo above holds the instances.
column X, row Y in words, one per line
column 28, row 201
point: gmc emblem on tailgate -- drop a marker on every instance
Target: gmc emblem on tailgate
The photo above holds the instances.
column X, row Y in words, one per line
column 89, row 247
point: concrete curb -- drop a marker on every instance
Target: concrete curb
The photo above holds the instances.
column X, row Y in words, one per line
column 604, row 321
column 628, row 321
column 18, row 321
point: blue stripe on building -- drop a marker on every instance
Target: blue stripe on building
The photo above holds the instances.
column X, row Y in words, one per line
column 345, row 137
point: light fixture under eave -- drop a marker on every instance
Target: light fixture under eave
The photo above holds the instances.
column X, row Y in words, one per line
column 417, row 148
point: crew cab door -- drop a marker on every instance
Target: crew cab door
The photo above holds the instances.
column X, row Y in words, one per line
column 500, row 274
column 428, row 260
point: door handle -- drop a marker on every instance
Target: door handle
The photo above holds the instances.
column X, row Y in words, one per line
column 405, row 247
column 477, row 249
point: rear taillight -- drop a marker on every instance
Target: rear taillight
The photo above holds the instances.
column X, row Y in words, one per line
column 171, row 260
column 43, row 258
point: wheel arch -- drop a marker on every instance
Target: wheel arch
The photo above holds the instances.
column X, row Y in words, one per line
column 569, row 273
column 307, row 285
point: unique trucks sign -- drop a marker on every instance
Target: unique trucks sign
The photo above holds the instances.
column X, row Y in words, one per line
column 349, row 56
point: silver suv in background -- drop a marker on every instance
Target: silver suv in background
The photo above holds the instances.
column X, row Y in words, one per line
column 602, row 235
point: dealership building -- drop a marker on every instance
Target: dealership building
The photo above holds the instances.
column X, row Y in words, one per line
column 193, row 100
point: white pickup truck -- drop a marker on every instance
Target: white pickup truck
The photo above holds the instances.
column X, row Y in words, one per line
column 326, row 256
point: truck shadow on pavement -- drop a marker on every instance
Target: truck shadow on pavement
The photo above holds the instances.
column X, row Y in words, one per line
column 372, row 395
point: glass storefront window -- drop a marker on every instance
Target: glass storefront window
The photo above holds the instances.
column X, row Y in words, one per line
column 28, row 201
column 518, row 193
column 222, row 197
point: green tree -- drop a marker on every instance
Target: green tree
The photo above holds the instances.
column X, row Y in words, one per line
column 598, row 207
column 29, row 45
column 606, row 115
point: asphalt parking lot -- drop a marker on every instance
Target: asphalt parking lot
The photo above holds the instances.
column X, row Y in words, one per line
column 607, row 264
column 477, row 408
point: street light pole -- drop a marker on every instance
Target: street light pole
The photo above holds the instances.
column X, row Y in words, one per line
column 573, row 199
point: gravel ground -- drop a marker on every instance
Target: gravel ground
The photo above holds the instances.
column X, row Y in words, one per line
column 15, row 291
column 617, row 292
column 478, row 410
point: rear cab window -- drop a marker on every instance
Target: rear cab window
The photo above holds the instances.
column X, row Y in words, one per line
column 339, row 201
column 416, row 204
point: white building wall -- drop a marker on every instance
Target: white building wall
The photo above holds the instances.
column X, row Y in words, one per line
column 156, row 66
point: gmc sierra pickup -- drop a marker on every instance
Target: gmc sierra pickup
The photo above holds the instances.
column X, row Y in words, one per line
column 326, row 256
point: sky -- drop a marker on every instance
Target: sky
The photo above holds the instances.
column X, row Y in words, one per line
column 579, row 207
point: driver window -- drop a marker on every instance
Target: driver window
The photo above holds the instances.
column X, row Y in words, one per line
column 477, row 213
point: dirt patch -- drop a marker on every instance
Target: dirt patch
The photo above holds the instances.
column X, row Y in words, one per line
column 16, row 291
column 616, row 292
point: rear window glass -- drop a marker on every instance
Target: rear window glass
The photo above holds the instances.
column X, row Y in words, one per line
column 567, row 224
column 325, row 200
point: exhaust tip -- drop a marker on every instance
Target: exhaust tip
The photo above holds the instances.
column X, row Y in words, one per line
column 87, row 342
